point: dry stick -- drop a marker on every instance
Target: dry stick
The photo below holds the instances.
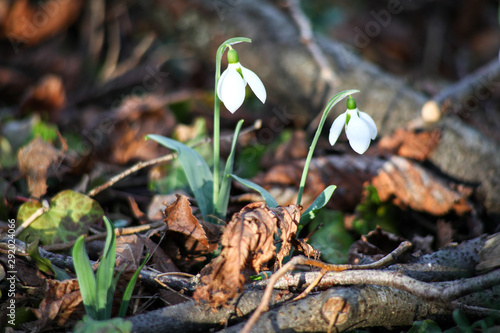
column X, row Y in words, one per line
column 162, row 159
column 102, row 235
column 301, row 260
column 307, row 38
column 136, row 56
column 455, row 97
column 157, row 279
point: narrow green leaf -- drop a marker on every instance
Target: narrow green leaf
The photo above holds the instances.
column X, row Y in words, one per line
column 197, row 172
column 266, row 195
column 44, row 264
column 225, row 187
column 105, row 273
column 130, row 288
column 320, row 202
column 86, row 278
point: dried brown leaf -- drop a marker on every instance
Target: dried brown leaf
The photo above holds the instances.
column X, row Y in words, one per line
column 409, row 185
column 35, row 161
column 133, row 120
column 159, row 260
column 410, row 144
column 29, row 23
column 187, row 240
column 179, row 218
column 248, row 243
column 62, row 299
column 129, row 250
column 48, row 95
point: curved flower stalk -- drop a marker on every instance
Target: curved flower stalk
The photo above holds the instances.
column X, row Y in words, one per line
column 334, row 100
column 359, row 127
column 232, row 83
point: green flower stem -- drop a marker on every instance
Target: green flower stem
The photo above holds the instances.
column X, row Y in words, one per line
column 335, row 99
column 216, row 148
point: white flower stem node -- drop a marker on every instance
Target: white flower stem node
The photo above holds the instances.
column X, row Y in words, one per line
column 359, row 127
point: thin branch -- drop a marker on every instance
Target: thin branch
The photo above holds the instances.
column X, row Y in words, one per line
column 300, row 261
column 456, row 98
column 163, row 159
column 307, row 38
column 102, row 235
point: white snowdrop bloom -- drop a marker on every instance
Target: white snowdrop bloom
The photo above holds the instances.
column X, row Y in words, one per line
column 232, row 83
column 359, row 127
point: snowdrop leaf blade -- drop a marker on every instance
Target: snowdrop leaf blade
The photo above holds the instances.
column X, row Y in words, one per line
column 255, row 83
column 358, row 134
column 319, row 202
column 270, row 201
column 232, row 90
column 225, row 187
column 371, row 124
column 336, row 128
column 198, row 173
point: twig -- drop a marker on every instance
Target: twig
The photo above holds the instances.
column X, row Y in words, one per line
column 118, row 232
column 134, row 168
column 45, row 208
column 162, row 159
column 301, row 260
column 455, row 97
column 134, row 59
column 307, row 38
column 113, row 53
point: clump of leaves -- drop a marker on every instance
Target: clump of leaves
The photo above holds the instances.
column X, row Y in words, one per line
column 98, row 290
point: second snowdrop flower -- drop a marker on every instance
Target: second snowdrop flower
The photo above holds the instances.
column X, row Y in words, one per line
column 232, row 83
column 359, row 127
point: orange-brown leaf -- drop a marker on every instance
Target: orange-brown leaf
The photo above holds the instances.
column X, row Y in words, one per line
column 62, row 299
column 35, row 161
column 248, row 243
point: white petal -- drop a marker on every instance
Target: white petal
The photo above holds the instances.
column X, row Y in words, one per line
column 371, row 124
column 336, row 128
column 255, row 83
column 219, row 86
column 358, row 134
column 231, row 89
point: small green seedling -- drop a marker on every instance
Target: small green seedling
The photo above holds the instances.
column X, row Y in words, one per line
column 98, row 290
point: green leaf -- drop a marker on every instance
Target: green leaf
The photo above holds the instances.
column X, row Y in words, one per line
column 70, row 215
column 425, row 326
column 44, row 264
column 105, row 273
column 332, row 239
column 85, row 276
column 319, row 203
column 225, row 187
column 197, row 172
column 115, row 325
column 270, row 201
column 130, row 288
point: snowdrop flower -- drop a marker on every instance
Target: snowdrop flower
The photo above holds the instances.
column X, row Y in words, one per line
column 232, row 83
column 359, row 127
